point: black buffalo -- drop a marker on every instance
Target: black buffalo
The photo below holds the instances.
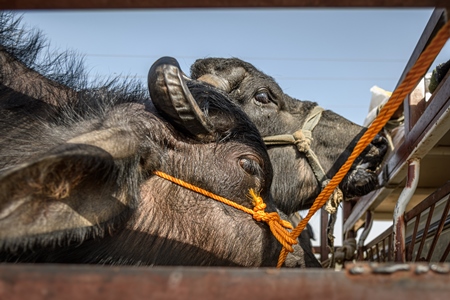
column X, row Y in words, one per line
column 295, row 186
column 77, row 163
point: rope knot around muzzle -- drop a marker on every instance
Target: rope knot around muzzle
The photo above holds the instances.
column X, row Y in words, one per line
column 276, row 224
column 303, row 139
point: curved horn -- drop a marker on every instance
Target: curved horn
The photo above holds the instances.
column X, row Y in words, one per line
column 225, row 80
column 216, row 81
column 171, row 96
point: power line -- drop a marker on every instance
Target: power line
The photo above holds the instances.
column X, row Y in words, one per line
column 279, row 78
column 336, row 78
column 316, row 59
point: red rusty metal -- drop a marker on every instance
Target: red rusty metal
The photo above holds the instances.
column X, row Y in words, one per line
column 414, row 215
column 410, row 247
column 446, row 252
column 390, row 247
column 367, row 227
column 428, row 202
column 399, row 238
column 358, row 281
column 438, row 232
column 412, row 180
column 425, row 233
column 324, row 250
column 347, row 209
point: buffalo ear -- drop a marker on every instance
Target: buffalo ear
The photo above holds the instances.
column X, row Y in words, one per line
column 64, row 195
column 171, row 96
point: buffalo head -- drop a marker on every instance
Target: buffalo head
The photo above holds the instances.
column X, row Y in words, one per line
column 78, row 162
column 77, row 168
column 275, row 113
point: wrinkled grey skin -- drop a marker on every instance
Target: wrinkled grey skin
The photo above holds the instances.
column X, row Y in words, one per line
column 273, row 112
column 77, row 162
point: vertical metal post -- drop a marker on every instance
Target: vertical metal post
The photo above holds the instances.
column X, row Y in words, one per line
column 348, row 207
column 412, row 180
column 323, row 235
column 365, row 234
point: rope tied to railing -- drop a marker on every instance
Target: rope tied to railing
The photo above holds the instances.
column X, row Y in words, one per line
column 408, row 84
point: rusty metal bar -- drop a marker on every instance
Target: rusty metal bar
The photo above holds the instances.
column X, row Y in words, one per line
column 324, row 251
column 446, row 252
column 425, row 233
column 429, row 201
column 96, row 4
column 391, row 247
column 415, row 214
column 367, row 227
column 385, row 234
column 347, row 210
column 378, row 253
column 357, row 281
column 360, row 253
column 439, row 230
column 387, row 248
column 400, row 207
column 413, row 239
column 369, row 256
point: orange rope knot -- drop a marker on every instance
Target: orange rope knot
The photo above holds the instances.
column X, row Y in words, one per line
column 276, row 224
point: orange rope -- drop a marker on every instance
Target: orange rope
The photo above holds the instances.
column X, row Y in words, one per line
column 397, row 97
column 276, row 225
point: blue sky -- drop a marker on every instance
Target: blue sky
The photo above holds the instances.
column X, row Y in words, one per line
column 331, row 56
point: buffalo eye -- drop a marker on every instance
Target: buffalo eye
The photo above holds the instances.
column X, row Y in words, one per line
column 262, row 96
column 250, row 166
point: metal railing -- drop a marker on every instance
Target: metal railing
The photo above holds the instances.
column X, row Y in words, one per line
column 427, row 233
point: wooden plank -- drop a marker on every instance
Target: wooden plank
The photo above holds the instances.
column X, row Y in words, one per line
column 123, row 4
